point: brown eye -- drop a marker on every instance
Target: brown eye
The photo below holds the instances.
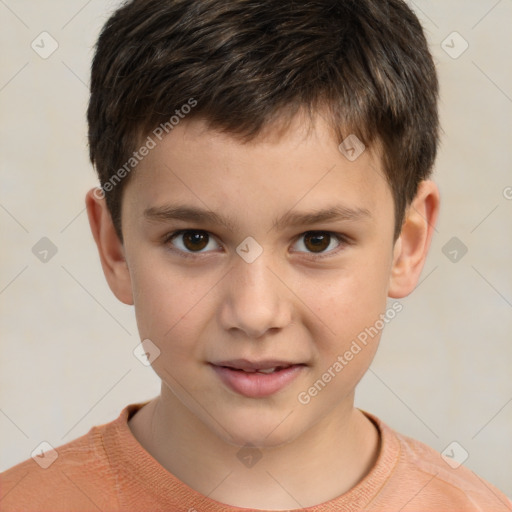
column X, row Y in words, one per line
column 195, row 240
column 320, row 244
column 191, row 241
column 317, row 241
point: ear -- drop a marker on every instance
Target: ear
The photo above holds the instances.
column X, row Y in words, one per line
column 110, row 248
column 412, row 245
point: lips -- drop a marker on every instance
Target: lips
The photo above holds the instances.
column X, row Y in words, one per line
column 261, row 370
column 257, row 379
column 254, row 366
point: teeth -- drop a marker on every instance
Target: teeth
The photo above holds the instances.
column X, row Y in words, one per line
column 268, row 370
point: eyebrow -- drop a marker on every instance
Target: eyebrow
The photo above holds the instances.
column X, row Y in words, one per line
column 291, row 218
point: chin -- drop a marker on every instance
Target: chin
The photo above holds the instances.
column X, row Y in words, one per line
column 270, row 432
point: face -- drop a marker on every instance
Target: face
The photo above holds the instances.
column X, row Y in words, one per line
column 245, row 257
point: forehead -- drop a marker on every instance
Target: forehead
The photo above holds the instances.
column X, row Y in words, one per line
column 300, row 170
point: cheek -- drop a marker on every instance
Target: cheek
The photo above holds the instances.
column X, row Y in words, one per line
column 169, row 304
column 347, row 300
column 170, row 312
column 345, row 327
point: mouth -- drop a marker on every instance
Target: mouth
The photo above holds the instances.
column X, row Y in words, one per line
column 256, row 366
column 261, row 370
column 257, row 379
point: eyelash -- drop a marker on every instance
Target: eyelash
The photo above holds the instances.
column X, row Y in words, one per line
column 341, row 238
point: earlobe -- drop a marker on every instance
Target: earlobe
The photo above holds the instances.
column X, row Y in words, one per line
column 411, row 248
column 110, row 248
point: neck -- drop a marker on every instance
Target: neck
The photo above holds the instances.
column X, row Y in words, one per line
column 321, row 464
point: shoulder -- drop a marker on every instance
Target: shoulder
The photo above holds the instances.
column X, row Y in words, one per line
column 423, row 479
column 75, row 476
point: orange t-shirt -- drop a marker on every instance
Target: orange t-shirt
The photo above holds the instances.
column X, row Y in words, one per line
column 108, row 470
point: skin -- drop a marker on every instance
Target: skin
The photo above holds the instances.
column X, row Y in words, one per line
column 214, row 306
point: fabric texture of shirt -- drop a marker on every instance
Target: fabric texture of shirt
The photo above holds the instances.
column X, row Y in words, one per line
column 108, row 470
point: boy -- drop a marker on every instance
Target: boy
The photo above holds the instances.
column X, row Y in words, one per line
column 291, row 142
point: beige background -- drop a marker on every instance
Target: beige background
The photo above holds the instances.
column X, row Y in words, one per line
column 443, row 372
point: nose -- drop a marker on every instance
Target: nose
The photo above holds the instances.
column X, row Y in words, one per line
column 255, row 300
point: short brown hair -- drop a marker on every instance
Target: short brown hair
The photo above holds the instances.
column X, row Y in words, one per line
column 250, row 63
